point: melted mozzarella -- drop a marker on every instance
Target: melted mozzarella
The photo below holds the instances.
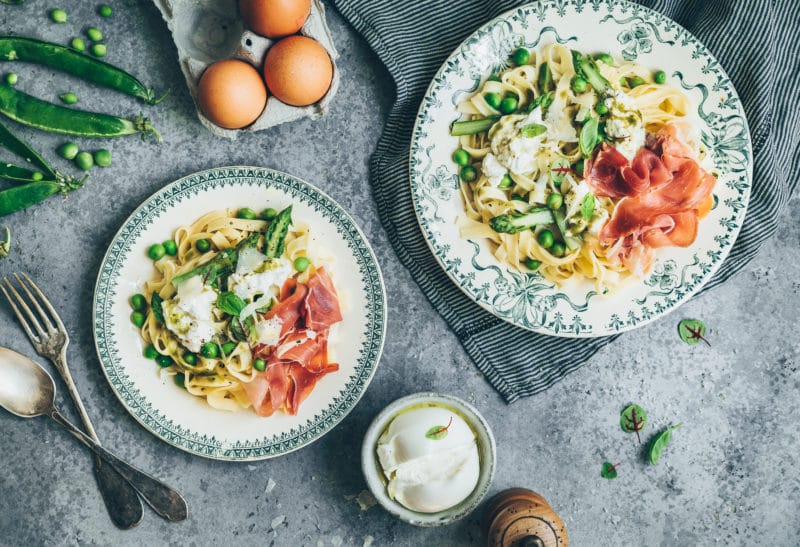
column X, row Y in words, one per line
column 189, row 314
column 492, row 169
column 264, row 276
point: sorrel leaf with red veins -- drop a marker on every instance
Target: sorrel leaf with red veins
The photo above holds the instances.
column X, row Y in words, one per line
column 609, row 470
column 439, row 432
column 559, row 169
column 633, row 419
column 659, row 442
column 692, row 331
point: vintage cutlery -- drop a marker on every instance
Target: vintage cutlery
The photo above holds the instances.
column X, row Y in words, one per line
column 28, row 391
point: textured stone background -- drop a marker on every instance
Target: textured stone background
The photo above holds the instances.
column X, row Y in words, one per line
column 729, row 477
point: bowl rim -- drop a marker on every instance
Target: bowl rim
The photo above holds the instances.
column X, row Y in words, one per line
column 486, row 446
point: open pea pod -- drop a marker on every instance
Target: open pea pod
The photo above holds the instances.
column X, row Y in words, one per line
column 20, row 175
column 21, row 149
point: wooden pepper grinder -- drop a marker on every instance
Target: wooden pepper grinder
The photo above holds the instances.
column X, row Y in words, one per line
column 518, row 517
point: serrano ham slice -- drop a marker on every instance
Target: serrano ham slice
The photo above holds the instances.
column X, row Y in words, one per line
column 322, row 304
column 289, row 309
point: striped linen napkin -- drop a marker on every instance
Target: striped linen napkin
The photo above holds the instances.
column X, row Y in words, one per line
column 757, row 41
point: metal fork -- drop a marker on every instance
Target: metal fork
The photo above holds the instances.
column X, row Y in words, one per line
column 51, row 340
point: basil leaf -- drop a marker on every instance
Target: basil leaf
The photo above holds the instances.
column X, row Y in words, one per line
column 231, row 304
column 588, row 139
column 660, row 442
column 532, row 130
column 692, row 331
column 587, row 207
column 156, row 304
column 608, row 471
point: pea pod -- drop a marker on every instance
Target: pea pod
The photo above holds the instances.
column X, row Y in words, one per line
column 19, row 197
column 54, row 118
column 18, row 174
column 58, row 57
column 22, row 150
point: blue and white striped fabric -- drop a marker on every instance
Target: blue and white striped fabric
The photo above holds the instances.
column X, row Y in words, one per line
column 758, row 43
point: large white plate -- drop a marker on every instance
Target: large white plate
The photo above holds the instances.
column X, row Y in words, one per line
column 624, row 29
column 186, row 421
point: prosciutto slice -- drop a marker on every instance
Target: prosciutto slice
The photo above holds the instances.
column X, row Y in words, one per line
column 322, row 305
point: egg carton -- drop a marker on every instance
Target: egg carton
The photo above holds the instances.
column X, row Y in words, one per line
column 205, row 31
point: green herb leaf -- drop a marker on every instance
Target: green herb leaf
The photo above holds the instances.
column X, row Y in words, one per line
column 231, row 304
column 439, row 432
column 609, row 470
column 559, row 169
column 587, row 207
column 244, row 331
column 659, row 442
column 156, row 303
column 532, row 130
column 588, row 139
column 692, row 331
column 633, row 419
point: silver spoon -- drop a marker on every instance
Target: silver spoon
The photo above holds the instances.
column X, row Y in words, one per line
column 27, row 390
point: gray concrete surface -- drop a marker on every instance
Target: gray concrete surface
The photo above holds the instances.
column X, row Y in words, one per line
column 729, row 477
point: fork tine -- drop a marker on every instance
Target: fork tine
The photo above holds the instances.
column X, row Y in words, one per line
column 42, row 315
column 18, row 313
column 45, row 301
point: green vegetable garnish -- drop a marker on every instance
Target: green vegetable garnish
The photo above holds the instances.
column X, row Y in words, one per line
column 609, row 470
column 78, row 44
column 58, row 16
column 12, row 78
column 660, row 77
column 275, row 235
column 301, row 263
column 102, row 157
column 438, row 432
column 512, row 223
column 632, row 419
column 268, row 214
column 509, row 105
column 246, row 213
column 260, row 365
column 150, row 352
column 587, row 207
column 230, row 303
column 98, row 50
column 692, row 331
column 68, row 98
column 209, row 350
column 156, row 250
column 493, row 99
column 532, row 264
column 521, row 56
column 137, row 318
column 588, row 139
column 104, row 10
column 461, row 157
column 559, row 169
column 68, row 150
column 203, row 245
column 156, row 304
column 586, row 68
column 138, row 302
column 471, row 127
column 164, row 361
column 659, row 442
column 85, row 161
column 223, row 263
column 532, row 130
column 468, row 174
column 170, row 247
column 94, row 34
column 545, row 79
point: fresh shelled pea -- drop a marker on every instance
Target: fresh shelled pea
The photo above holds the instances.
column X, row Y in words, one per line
column 260, row 365
column 58, row 16
column 545, row 239
column 164, row 361
column 521, row 56
column 94, row 34
column 203, row 245
column 605, row 58
column 579, row 165
column 170, row 247
column 635, row 81
column 301, row 263
column 228, row 347
column 209, row 350
column 601, row 108
column 78, row 44
column 68, row 98
column 102, row 157
column 246, row 213
column 461, row 157
column 493, row 99
column 555, row 201
column 138, row 302
column 506, row 181
column 180, row 379
column 137, row 318
column 37, row 176
column 532, row 263
column 84, row 161
column 469, row 174
column 579, row 85
column 509, row 105
column 558, row 249
column 104, row 10
column 660, row 77
column 156, row 251
column 98, row 50
column 68, row 150
column 268, row 214
column 12, row 78
column 190, row 358
column 150, row 352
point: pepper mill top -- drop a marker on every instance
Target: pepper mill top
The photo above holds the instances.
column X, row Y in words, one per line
column 518, row 517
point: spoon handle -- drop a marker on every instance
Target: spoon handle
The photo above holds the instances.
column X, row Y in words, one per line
column 165, row 501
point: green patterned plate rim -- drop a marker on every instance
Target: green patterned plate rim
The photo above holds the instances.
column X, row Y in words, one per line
column 185, row 421
column 624, row 29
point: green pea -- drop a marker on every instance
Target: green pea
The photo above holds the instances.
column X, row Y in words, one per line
column 558, row 249
column 506, row 182
column 138, row 302
column 164, row 361
column 228, row 347
column 58, row 16
column 521, row 57
column 203, row 245
column 545, row 239
column 156, row 251
column 532, row 264
column 37, row 176
column 268, row 214
column 68, row 98
column 246, row 213
column 209, row 350
column 190, row 358
column 68, row 150
column 605, row 58
column 555, row 201
column 623, row 82
column 12, row 78
column 509, row 105
column 461, row 157
column 84, row 161
column 102, row 157
column 104, row 10
column 260, row 364
column 579, row 167
column 150, row 352
column 517, row 197
column 494, row 78
column 180, row 379
column 635, row 81
column 301, row 263
column 579, row 85
column 94, row 34
column 601, row 108
column 469, row 174
column 98, row 50
column 170, row 247
column 137, row 318
column 78, row 44
column 660, row 77
column 493, row 99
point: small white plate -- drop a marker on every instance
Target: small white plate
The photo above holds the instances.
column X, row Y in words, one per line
column 186, row 421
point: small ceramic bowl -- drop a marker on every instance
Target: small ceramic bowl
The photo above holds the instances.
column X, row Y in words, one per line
column 377, row 481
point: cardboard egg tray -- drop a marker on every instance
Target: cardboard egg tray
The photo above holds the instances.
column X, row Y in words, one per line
column 205, row 31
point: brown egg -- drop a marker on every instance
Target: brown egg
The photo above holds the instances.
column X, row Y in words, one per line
column 298, row 70
column 231, row 94
column 274, row 18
